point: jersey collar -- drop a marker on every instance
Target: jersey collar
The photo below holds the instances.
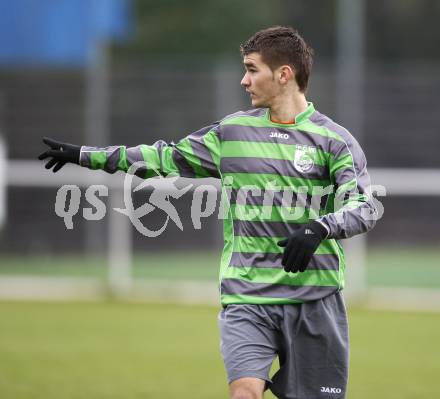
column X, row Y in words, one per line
column 306, row 114
column 301, row 117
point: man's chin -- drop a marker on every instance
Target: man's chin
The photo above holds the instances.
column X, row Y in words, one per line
column 257, row 104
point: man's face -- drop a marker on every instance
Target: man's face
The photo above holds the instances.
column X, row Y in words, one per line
column 259, row 81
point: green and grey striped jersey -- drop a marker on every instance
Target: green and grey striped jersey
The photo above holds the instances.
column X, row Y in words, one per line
column 276, row 177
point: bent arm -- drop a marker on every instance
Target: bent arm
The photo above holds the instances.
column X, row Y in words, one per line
column 354, row 211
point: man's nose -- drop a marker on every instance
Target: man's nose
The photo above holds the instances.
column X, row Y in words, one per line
column 245, row 81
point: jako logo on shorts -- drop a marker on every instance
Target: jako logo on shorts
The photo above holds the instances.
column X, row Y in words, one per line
column 331, row 390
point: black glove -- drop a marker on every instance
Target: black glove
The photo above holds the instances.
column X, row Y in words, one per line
column 301, row 245
column 60, row 153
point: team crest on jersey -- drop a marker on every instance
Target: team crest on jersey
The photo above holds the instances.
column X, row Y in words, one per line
column 304, row 158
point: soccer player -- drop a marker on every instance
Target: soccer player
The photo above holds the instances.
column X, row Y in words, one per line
column 298, row 184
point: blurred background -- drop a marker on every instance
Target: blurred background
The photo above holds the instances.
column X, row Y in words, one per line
column 108, row 72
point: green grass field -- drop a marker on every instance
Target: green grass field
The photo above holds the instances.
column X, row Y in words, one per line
column 121, row 350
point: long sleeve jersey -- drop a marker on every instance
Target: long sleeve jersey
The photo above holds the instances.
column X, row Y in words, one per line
column 277, row 177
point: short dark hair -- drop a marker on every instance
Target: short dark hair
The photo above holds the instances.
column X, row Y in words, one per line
column 281, row 45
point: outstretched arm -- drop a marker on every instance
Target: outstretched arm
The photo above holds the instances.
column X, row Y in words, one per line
column 197, row 155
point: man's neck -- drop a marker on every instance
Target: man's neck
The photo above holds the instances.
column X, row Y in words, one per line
column 286, row 109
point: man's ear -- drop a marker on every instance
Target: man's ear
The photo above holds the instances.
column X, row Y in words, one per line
column 286, row 74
